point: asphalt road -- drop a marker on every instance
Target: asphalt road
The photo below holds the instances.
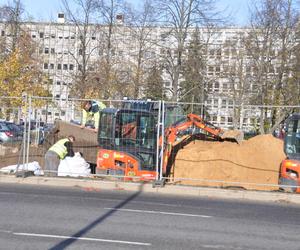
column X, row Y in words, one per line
column 33, row 217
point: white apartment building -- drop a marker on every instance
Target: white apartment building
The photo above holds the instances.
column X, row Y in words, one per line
column 59, row 50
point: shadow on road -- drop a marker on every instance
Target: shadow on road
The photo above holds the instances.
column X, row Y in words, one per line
column 73, row 238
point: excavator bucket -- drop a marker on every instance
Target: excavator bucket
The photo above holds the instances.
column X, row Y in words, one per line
column 232, row 135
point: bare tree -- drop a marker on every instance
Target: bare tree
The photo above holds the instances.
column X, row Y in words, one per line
column 271, row 43
column 180, row 16
column 11, row 16
column 141, row 29
column 238, row 77
column 108, row 73
column 81, row 13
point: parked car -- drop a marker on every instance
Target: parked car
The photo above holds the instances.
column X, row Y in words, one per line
column 10, row 133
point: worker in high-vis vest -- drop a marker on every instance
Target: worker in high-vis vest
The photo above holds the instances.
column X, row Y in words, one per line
column 57, row 152
column 91, row 111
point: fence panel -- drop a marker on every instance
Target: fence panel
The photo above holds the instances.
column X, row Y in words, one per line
column 190, row 157
column 197, row 158
column 11, row 131
column 133, row 131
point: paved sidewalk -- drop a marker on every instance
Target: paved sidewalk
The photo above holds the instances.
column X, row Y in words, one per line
column 148, row 188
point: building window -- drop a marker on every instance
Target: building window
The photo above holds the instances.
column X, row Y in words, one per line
column 71, row 66
column 224, row 103
column 79, row 67
column 2, row 33
column 33, row 36
column 41, row 34
column 65, row 67
column 58, row 83
column 59, row 66
column 57, row 96
column 46, row 51
column 52, row 35
column 51, row 65
column 80, row 52
column 217, row 85
column 45, row 65
column 93, row 38
column 218, row 70
column 52, row 50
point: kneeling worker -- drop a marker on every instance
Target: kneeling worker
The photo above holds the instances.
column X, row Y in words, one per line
column 57, row 152
column 91, row 111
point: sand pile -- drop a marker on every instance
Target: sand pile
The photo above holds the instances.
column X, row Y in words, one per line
column 254, row 161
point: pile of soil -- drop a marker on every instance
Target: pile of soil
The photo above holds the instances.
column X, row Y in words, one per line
column 227, row 164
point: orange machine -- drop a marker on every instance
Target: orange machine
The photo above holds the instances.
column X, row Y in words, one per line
column 128, row 141
column 289, row 178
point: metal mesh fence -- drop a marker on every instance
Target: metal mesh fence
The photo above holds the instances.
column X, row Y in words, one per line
column 11, row 135
column 201, row 155
column 143, row 140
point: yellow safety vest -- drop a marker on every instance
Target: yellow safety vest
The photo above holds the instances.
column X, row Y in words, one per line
column 59, row 148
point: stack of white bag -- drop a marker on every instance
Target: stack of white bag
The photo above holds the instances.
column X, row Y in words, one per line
column 74, row 166
column 31, row 167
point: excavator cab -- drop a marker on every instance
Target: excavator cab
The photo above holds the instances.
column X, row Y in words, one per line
column 290, row 167
column 127, row 143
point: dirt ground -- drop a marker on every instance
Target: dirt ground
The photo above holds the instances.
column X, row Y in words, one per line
column 255, row 161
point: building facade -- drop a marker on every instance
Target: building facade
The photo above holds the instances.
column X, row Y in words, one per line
column 59, row 48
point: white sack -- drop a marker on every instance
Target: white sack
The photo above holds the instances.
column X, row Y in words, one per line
column 31, row 166
column 74, row 166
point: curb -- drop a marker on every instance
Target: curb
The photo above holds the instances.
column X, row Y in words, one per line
column 148, row 188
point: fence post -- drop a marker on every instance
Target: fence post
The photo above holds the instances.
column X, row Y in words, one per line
column 28, row 133
column 158, row 125
column 23, row 145
column 162, row 140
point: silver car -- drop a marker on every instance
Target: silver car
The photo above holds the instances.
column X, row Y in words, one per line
column 10, row 133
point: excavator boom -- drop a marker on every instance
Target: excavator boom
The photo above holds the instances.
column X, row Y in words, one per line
column 226, row 135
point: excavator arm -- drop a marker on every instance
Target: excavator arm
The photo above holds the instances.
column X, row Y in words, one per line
column 195, row 121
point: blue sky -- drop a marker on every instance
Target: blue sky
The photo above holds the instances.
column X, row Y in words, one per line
column 47, row 9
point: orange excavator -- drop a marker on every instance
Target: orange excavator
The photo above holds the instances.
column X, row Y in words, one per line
column 289, row 179
column 131, row 144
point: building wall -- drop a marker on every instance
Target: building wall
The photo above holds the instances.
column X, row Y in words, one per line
column 59, row 51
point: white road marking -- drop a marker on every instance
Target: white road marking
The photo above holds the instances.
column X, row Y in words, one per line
column 83, row 238
column 157, row 212
column 5, row 231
